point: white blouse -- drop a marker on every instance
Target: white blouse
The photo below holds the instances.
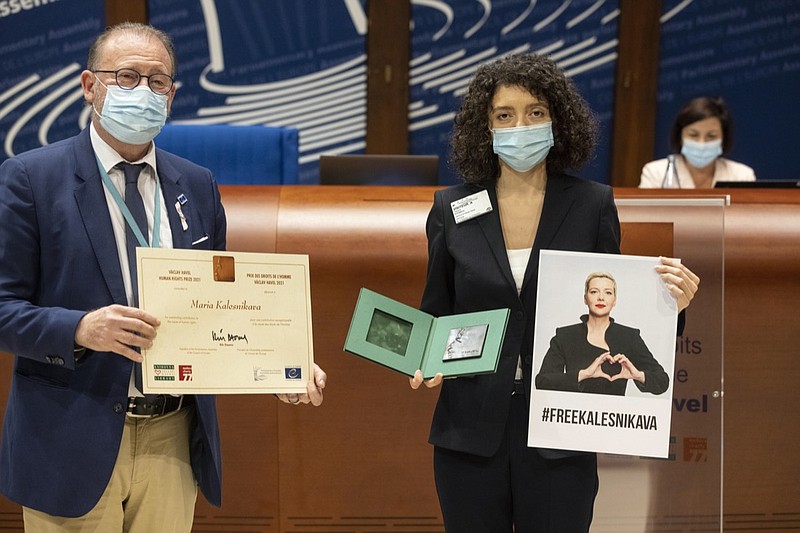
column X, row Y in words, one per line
column 518, row 260
column 724, row 170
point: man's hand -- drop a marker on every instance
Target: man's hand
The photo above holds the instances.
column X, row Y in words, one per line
column 313, row 394
column 118, row 329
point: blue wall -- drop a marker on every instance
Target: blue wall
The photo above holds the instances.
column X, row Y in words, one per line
column 43, row 49
column 303, row 64
column 748, row 52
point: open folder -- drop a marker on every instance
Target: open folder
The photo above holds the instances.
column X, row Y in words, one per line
column 405, row 339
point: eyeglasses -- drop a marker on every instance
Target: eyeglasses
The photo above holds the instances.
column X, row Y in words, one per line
column 129, row 79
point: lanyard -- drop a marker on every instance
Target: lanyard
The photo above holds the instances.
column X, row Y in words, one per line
column 127, row 212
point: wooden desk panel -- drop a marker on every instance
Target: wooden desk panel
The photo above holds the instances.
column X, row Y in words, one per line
column 362, row 459
column 361, row 462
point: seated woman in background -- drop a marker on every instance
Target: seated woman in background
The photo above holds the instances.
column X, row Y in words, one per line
column 701, row 134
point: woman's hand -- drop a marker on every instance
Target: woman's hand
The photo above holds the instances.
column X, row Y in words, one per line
column 417, row 380
column 627, row 369
column 681, row 282
column 595, row 370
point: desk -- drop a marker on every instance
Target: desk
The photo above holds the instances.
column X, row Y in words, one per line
column 361, row 461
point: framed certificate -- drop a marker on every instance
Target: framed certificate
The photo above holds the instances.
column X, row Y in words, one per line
column 405, row 339
column 231, row 322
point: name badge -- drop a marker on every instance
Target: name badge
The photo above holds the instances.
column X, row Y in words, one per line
column 471, row 206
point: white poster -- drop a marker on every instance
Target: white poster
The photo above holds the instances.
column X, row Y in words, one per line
column 603, row 355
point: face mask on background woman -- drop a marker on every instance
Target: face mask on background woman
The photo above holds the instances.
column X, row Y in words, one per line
column 701, row 154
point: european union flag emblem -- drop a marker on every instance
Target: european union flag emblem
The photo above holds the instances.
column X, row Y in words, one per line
column 293, row 372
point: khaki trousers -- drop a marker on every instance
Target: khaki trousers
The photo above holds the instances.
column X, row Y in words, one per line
column 152, row 488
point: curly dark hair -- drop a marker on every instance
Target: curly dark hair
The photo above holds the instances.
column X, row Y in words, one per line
column 699, row 109
column 574, row 125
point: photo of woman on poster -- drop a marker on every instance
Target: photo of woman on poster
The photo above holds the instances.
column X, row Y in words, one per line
column 598, row 355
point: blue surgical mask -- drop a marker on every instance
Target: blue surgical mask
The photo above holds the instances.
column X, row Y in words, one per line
column 523, row 147
column 701, row 154
column 133, row 116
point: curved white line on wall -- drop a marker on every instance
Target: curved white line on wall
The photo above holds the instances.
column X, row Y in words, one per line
column 487, row 10
column 44, row 127
column 354, row 147
column 30, row 113
column 340, row 126
column 519, row 20
column 675, row 10
column 263, row 117
column 580, row 18
column 355, row 74
column 444, row 9
column 420, row 59
column 308, row 146
column 464, row 76
column 574, row 48
column 13, row 104
column 219, row 88
column 359, row 109
column 303, row 109
column 608, row 18
column 357, row 15
column 555, row 45
column 83, row 118
column 456, row 85
column 557, row 13
column 214, row 36
column 423, row 112
column 300, row 107
column 33, row 78
column 588, row 53
column 342, row 113
column 438, row 73
column 43, row 84
column 458, row 54
column 267, row 100
column 592, row 64
column 422, row 124
column 29, row 92
column 312, row 151
column 471, row 64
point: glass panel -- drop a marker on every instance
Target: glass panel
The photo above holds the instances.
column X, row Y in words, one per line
column 684, row 491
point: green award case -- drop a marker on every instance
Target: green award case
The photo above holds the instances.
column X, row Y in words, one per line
column 405, row 339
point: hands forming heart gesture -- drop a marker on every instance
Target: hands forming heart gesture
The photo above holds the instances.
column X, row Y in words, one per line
column 611, row 368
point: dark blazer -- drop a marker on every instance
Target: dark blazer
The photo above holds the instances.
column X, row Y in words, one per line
column 570, row 352
column 58, row 259
column 468, row 271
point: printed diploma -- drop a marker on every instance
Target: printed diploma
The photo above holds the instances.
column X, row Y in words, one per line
column 231, row 322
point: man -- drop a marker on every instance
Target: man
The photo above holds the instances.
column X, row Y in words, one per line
column 82, row 449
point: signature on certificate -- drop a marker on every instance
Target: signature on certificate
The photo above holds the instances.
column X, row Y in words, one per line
column 221, row 336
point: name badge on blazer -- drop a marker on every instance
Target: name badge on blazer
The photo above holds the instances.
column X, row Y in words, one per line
column 471, row 206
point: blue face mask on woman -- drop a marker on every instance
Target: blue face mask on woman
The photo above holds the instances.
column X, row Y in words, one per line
column 523, row 147
column 701, row 154
column 133, row 116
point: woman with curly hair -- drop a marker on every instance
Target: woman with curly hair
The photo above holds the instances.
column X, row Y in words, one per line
column 521, row 125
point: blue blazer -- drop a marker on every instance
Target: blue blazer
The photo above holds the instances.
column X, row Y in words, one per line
column 468, row 270
column 58, row 260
